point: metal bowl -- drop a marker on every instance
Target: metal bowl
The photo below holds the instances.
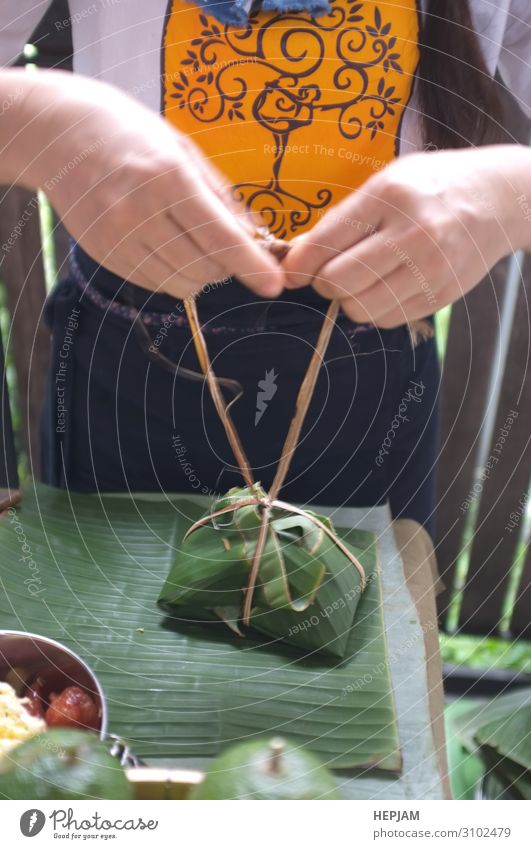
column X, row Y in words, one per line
column 25, row 657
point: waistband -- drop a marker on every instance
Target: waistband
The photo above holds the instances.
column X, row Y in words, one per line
column 223, row 307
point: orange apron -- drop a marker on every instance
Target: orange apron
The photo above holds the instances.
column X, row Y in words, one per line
column 296, row 111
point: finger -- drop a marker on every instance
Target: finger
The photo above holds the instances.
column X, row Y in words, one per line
column 182, row 255
column 212, row 176
column 406, row 285
column 367, row 310
column 393, row 302
column 219, row 184
column 165, row 278
column 410, row 311
column 344, row 226
column 418, row 307
column 131, row 271
column 218, row 233
column 142, row 267
column 159, row 235
column 384, row 297
column 359, row 268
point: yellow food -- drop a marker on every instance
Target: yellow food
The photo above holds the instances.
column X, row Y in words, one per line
column 16, row 724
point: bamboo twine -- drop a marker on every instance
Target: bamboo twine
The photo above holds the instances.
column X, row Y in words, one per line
column 302, row 405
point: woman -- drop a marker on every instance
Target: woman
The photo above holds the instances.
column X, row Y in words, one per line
column 292, row 119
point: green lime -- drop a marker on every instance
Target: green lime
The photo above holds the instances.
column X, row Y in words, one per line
column 62, row 763
column 265, row 769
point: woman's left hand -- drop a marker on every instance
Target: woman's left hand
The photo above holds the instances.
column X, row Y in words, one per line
column 417, row 235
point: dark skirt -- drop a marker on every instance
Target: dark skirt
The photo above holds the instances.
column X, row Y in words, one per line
column 116, row 421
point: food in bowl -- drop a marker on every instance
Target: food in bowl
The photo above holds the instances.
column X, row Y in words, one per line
column 70, row 707
column 61, row 689
column 46, row 686
column 16, row 722
column 41, row 708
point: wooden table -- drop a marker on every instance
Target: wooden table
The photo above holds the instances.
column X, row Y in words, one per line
column 411, row 626
column 410, row 623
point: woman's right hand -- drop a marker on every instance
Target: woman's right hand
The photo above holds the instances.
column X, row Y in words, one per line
column 139, row 197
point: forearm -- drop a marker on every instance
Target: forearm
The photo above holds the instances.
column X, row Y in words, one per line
column 51, row 118
column 48, row 117
column 18, row 128
column 35, row 111
column 125, row 185
column 514, row 165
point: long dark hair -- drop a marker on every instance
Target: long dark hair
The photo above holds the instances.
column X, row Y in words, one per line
column 459, row 99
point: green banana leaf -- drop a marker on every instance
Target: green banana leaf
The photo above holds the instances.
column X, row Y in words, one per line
column 503, row 777
column 464, row 768
column 510, row 736
column 505, row 748
column 494, row 787
column 499, row 732
column 515, row 777
column 87, row 570
column 307, row 589
column 468, row 724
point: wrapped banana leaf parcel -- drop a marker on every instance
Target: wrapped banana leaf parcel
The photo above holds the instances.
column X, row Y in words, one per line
column 257, row 561
column 308, row 582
